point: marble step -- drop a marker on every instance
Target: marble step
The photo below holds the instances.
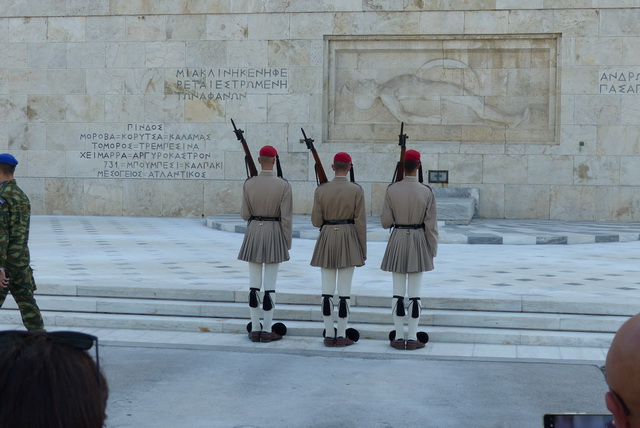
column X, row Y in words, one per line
column 480, row 302
column 456, row 210
column 364, row 315
column 437, row 334
column 312, row 345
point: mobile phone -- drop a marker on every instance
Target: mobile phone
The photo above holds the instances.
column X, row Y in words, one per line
column 578, row 420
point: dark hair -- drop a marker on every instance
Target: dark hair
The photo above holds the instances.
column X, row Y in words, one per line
column 341, row 166
column 47, row 383
column 409, row 166
column 7, row 169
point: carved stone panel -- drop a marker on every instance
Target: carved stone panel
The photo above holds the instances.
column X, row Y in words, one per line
column 444, row 88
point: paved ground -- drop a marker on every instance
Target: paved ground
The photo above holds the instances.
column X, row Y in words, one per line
column 170, row 253
column 171, row 388
column 189, row 379
column 479, row 231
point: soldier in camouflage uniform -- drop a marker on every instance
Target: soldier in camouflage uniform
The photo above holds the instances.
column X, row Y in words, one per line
column 16, row 275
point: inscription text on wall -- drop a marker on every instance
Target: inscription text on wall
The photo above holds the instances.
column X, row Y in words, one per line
column 147, row 150
column 619, row 82
column 229, row 83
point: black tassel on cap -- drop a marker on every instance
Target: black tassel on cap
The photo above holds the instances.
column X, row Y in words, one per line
column 327, row 304
column 253, row 297
column 420, row 178
column 267, row 303
column 278, row 168
column 351, row 174
column 399, row 306
column 343, row 307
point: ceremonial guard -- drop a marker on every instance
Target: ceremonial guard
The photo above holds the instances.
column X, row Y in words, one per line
column 267, row 206
column 410, row 209
column 338, row 209
column 16, row 275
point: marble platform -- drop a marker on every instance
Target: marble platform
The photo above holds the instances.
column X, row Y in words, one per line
column 176, row 282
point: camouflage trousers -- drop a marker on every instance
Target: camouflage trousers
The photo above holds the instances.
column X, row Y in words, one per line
column 21, row 286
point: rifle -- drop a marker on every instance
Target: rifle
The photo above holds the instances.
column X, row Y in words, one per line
column 399, row 172
column 321, row 177
column 248, row 160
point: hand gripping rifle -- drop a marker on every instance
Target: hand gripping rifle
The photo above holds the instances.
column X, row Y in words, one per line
column 399, row 172
column 248, row 160
column 321, row 177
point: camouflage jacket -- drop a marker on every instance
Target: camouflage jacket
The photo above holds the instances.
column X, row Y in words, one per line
column 15, row 216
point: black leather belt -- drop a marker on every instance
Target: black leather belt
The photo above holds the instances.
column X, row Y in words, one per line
column 332, row 222
column 260, row 218
column 409, row 226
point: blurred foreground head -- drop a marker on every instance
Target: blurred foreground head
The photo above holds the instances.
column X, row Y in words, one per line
column 622, row 373
column 49, row 380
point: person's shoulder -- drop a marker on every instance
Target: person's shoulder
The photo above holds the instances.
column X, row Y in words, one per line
column 427, row 186
column 429, row 190
column 283, row 183
column 354, row 184
column 11, row 190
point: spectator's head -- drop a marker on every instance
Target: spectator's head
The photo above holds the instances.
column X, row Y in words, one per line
column 7, row 164
column 48, row 380
column 623, row 375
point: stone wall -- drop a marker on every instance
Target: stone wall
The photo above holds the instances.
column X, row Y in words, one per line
column 123, row 107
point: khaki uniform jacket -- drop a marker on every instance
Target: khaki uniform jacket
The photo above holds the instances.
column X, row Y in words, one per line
column 342, row 245
column 410, row 250
column 266, row 195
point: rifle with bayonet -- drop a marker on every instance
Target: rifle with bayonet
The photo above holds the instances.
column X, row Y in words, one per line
column 399, row 172
column 252, row 171
column 321, row 177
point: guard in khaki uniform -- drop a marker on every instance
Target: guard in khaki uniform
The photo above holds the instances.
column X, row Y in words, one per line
column 338, row 209
column 410, row 209
column 16, row 275
column 267, row 205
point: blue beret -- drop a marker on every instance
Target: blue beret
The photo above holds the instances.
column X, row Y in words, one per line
column 8, row 159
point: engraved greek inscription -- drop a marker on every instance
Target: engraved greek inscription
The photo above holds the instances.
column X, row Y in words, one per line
column 147, row 150
column 224, row 84
column 619, row 82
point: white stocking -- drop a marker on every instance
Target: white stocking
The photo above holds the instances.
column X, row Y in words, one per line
column 415, row 281
column 255, row 282
column 270, row 277
column 328, row 289
column 345, row 275
column 400, row 290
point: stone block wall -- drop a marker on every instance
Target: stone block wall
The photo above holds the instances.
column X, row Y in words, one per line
column 123, row 107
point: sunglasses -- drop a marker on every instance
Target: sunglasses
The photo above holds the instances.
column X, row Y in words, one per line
column 75, row 339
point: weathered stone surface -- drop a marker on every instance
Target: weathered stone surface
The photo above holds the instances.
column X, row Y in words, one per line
column 573, row 203
column 505, row 169
column 526, row 201
column 123, row 108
